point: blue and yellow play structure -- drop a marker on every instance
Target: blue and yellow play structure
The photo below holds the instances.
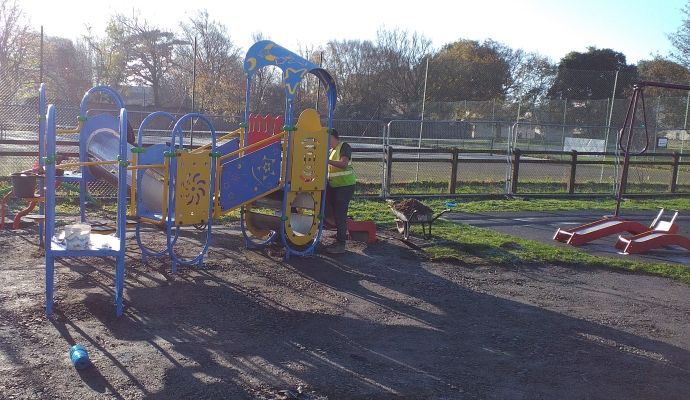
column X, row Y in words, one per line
column 272, row 162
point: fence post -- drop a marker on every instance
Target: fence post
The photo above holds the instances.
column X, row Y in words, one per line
column 674, row 172
column 453, row 170
column 573, row 168
column 516, row 168
column 389, row 170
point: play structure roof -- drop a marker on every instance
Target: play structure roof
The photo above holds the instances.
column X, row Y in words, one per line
column 294, row 68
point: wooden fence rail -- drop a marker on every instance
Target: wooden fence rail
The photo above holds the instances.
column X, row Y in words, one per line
column 667, row 173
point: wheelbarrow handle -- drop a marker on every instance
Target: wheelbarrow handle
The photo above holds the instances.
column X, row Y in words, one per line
column 441, row 213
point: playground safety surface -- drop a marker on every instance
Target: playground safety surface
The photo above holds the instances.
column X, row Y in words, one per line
column 379, row 322
column 541, row 226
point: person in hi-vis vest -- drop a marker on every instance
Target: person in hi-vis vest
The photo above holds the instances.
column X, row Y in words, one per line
column 341, row 185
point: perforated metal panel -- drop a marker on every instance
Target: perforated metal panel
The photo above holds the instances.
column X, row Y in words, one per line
column 192, row 188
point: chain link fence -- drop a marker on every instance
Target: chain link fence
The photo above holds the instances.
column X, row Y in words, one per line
column 457, row 148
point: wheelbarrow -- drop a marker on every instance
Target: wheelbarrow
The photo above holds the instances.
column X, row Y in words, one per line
column 404, row 221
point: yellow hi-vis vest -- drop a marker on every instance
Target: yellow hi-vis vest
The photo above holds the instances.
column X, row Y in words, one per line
column 338, row 177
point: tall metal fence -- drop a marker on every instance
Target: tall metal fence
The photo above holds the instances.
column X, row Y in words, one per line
column 393, row 160
column 450, row 158
column 534, row 153
column 538, row 136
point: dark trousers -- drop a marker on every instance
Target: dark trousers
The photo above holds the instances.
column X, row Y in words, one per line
column 341, row 202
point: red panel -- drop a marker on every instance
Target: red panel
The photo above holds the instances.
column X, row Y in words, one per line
column 263, row 127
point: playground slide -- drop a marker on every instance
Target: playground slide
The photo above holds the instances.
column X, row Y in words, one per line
column 101, row 142
column 597, row 230
column 612, row 225
column 300, row 221
column 302, row 218
column 651, row 240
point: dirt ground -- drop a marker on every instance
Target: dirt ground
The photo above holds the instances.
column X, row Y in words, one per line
column 376, row 323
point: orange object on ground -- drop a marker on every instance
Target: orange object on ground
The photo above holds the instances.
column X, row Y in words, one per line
column 355, row 229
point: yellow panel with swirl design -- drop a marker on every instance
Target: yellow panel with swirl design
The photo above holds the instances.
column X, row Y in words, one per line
column 193, row 187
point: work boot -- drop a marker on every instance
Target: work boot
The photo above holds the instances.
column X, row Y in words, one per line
column 336, row 248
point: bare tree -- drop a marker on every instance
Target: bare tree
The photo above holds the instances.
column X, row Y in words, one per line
column 681, row 40
column 402, row 67
column 107, row 57
column 219, row 75
column 150, row 52
column 67, row 70
column 16, row 42
column 309, row 87
column 380, row 79
column 355, row 65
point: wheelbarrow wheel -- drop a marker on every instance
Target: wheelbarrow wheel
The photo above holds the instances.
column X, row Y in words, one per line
column 404, row 228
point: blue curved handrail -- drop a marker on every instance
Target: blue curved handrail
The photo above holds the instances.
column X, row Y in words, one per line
column 177, row 131
column 145, row 251
column 101, row 89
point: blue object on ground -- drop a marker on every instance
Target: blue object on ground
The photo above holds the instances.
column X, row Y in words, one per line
column 79, row 356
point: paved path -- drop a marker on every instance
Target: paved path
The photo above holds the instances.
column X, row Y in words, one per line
column 541, row 226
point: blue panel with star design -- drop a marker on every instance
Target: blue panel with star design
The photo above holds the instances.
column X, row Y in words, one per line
column 247, row 178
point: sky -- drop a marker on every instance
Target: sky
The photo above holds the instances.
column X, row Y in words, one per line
column 637, row 28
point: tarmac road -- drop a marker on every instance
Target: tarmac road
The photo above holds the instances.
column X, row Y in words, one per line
column 541, row 226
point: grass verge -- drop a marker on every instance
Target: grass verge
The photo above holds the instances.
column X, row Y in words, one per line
column 471, row 245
